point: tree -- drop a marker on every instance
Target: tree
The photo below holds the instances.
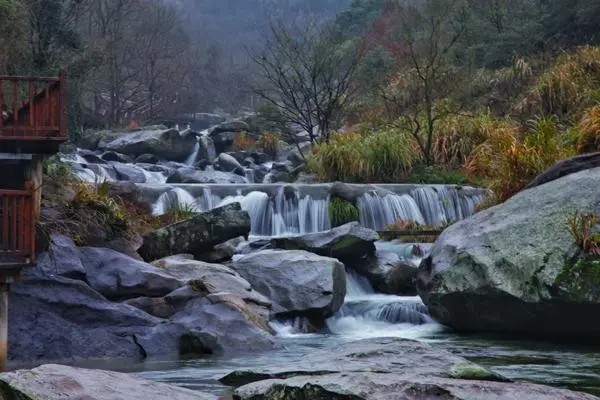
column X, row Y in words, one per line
column 418, row 96
column 307, row 75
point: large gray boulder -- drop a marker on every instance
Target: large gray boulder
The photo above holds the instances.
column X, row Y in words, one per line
column 192, row 175
column 198, row 234
column 56, row 314
column 300, row 284
column 224, row 134
column 384, row 369
column 60, row 382
column 350, row 241
column 515, row 267
column 167, row 144
column 118, row 276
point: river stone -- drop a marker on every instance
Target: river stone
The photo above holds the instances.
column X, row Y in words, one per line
column 566, row 167
column 114, row 156
column 167, row 144
column 118, row 276
column 384, row 369
column 60, row 382
column 345, row 242
column 387, row 273
column 229, row 126
column 198, row 234
column 298, row 283
column 228, row 163
column 210, row 278
column 515, row 267
column 192, row 175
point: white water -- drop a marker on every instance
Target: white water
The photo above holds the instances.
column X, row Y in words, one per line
column 290, row 213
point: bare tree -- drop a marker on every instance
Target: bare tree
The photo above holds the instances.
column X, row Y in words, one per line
column 308, row 76
column 418, row 97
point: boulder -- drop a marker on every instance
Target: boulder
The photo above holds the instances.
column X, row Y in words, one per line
column 300, row 284
column 223, row 141
column 347, row 242
column 147, row 159
column 388, row 273
column 515, row 267
column 566, row 167
column 228, row 163
column 198, row 234
column 223, row 251
column 168, row 144
column 114, row 156
column 118, row 276
column 192, row 175
column 229, row 126
column 129, row 173
column 90, row 156
column 385, row 368
column 60, row 382
column 55, row 313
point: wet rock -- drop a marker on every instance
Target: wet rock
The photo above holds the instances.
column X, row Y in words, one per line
column 567, row 167
column 147, row 159
column 347, row 242
column 129, row 173
column 59, row 382
column 388, row 273
column 198, row 234
column 228, row 163
column 90, row 156
column 192, row 175
column 114, row 156
column 167, row 144
column 223, row 251
column 229, row 126
column 297, row 282
column 515, row 267
column 118, row 276
column 382, row 369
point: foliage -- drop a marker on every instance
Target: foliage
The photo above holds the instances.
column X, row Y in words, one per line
column 96, row 198
column 243, row 141
column 270, row 143
column 368, row 156
column 589, row 131
column 178, row 212
column 509, row 159
column 57, row 171
column 437, row 174
column 571, row 85
column 342, row 211
column 406, row 225
column 581, row 227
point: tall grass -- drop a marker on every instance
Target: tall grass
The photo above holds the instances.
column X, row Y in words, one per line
column 510, row 158
column 270, row 143
column 570, row 86
column 381, row 156
column 589, row 131
column 243, row 141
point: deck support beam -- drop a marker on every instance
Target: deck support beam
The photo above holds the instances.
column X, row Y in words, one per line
column 3, row 326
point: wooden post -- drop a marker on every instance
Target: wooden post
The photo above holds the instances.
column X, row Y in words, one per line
column 3, row 326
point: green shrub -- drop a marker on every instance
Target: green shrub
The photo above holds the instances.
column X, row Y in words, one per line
column 370, row 156
column 342, row 211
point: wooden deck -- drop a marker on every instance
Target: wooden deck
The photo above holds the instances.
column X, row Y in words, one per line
column 33, row 117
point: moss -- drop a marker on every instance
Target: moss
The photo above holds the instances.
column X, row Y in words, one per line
column 342, row 211
column 579, row 280
column 469, row 370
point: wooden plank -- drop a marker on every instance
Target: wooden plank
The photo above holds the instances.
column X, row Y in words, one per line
column 15, row 227
column 2, row 105
column 62, row 109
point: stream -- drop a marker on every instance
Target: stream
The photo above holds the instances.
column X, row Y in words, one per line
column 366, row 314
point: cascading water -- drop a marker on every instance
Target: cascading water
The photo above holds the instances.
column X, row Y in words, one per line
column 288, row 212
column 369, row 314
column 376, row 212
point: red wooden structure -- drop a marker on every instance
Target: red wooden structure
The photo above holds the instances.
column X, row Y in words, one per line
column 33, row 116
column 33, row 123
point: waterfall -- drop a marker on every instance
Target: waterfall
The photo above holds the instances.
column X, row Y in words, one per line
column 369, row 314
column 377, row 212
column 208, row 145
column 191, row 160
column 174, row 198
column 285, row 211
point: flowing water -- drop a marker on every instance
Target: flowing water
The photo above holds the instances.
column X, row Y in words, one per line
column 366, row 314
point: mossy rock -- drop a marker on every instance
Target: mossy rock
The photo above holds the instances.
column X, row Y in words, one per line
column 579, row 281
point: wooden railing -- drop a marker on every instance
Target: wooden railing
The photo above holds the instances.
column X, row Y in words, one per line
column 33, row 108
column 17, row 225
